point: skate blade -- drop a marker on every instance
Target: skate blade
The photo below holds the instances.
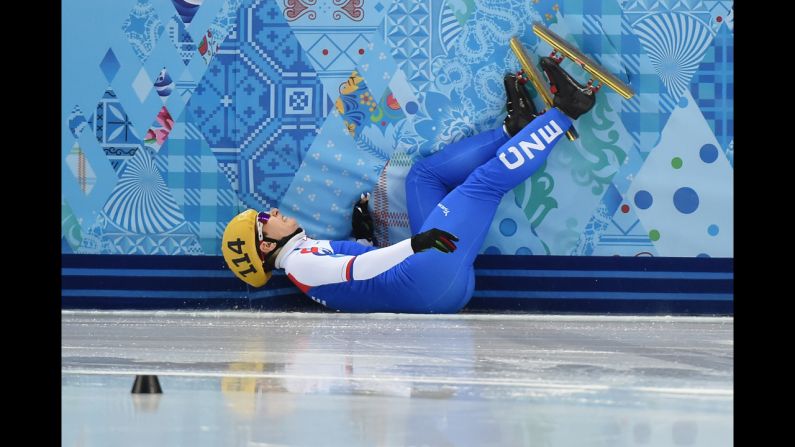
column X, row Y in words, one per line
column 537, row 80
column 571, row 52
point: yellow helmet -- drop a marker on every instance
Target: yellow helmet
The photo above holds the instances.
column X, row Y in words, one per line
column 239, row 246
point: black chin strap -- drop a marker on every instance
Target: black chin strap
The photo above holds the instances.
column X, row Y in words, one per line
column 270, row 259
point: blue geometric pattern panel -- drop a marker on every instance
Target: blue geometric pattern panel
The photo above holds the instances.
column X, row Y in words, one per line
column 105, row 238
column 359, row 137
column 187, row 9
column 178, row 33
column 409, row 34
column 259, row 105
column 143, row 27
column 197, row 184
column 87, row 177
column 675, row 43
column 713, row 86
column 141, row 202
column 178, row 114
column 114, row 130
column 70, row 228
column 109, row 65
column 334, row 34
column 680, row 193
column 140, row 216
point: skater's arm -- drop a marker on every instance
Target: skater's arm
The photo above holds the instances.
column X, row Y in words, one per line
column 375, row 262
column 316, row 267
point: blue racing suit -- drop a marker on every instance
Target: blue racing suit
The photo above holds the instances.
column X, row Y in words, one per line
column 457, row 190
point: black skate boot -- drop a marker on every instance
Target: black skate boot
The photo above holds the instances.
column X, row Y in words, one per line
column 521, row 109
column 571, row 97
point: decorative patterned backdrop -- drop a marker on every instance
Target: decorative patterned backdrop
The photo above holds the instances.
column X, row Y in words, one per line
column 178, row 114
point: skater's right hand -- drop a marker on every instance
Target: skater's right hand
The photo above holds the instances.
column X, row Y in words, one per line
column 434, row 238
column 361, row 220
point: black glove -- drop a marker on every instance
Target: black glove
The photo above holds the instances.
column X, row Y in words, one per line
column 361, row 220
column 434, row 238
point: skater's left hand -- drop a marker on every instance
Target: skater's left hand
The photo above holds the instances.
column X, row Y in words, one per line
column 434, row 238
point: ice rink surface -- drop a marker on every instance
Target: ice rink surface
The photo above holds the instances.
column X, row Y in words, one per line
column 324, row 379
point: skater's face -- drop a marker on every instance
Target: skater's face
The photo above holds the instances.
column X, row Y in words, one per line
column 274, row 225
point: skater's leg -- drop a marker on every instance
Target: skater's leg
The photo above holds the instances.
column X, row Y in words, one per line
column 468, row 210
column 430, row 179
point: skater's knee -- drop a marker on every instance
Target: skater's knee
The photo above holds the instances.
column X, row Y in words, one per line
column 484, row 184
column 420, row 171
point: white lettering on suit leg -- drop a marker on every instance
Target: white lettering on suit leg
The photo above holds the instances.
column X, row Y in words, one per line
column 548, row 133
column 536, row 144
column 512, row 165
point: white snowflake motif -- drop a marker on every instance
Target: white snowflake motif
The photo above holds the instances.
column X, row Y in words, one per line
column 381, row 56
column 337, row 192
column 307, row 178
column 365, row 67
column 330, row 143
column 295, row 207
column 386, row 75
column 316, row 155
column 366, row 177
column 316, row 216
column 359, row 185
column 334, row 207
column 330, row 229
column 324, row 168
column 360, row 162
column 311, row 197
column 345, row 173
column 299, row 189
column 338, row 157
column 329, row 182
column 370, row 46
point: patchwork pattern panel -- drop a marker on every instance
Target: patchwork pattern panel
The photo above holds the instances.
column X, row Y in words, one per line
column 114, row 130
column 713, row 87
column 188, row 111
column 197, row 184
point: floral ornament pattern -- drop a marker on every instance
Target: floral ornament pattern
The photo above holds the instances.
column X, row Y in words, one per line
column 294, row 9
column 596, row 159
column 351, row 8
column 155, row 137
column 452, row 121
column 347, row 104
